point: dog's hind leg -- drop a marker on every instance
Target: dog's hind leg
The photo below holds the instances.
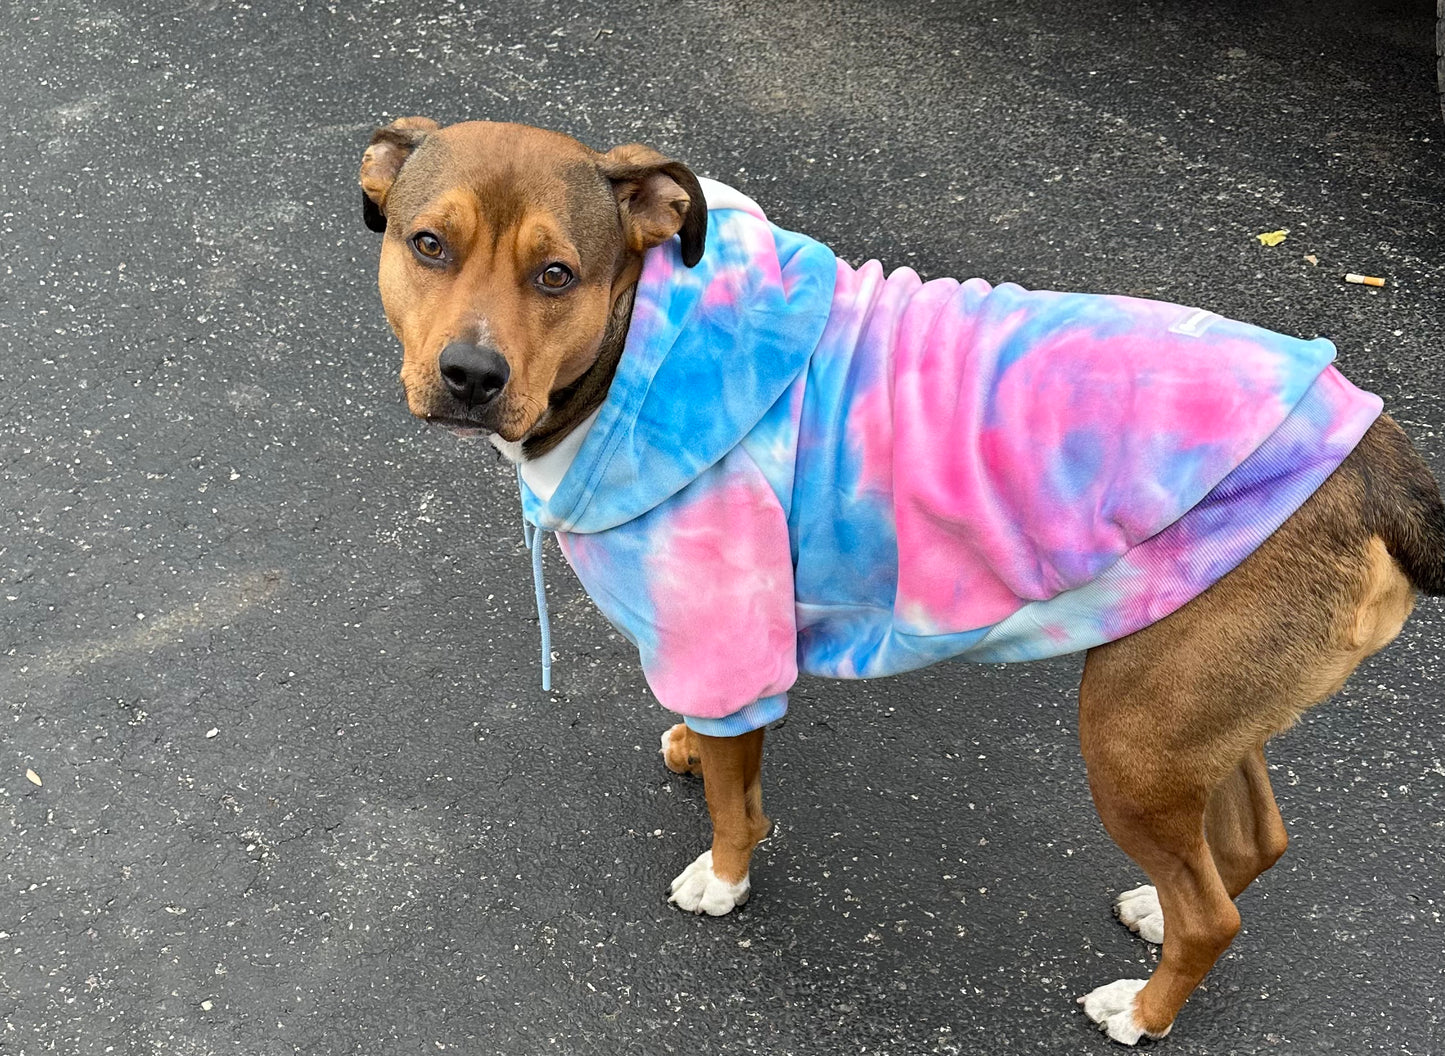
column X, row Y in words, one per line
column 1172, row 723
column 717, row 880
column 1243, row 826
column 1245, row 834
column 1154, row 807
column 1173, row 720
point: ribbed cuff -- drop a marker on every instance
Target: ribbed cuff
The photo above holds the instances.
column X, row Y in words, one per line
column 753, row 717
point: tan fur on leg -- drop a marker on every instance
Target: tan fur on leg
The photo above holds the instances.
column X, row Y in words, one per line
column 1159, row 822
column 1243, row 826
column 732, row 780
column 718, row 879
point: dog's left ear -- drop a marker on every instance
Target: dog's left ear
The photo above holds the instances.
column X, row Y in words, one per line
column 658, row 198
column 384, row 157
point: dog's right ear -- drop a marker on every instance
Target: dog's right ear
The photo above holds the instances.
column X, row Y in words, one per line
column 384, row 157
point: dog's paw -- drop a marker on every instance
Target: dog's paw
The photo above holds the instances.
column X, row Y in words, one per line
column 1111, row 1007
column 1139, row 911
column 679, row 751
column 698, row 889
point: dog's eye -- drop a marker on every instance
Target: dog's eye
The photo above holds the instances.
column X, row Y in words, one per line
column 556, row 277
column 427, row 245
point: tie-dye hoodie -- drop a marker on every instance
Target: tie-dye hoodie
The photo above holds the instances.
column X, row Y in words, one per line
column 805, row 466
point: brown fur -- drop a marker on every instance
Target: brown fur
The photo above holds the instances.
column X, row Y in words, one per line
column 1172, row 719
column 570, row 405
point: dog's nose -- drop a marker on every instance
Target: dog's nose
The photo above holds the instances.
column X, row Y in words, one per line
column 473, row 374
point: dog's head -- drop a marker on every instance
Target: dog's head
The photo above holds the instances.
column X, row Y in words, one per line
column 506, row 250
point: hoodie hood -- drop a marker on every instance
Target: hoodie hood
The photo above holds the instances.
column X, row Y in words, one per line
column 709, row 351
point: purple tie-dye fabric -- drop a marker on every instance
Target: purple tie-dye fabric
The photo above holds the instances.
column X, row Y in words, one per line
column 941, row 469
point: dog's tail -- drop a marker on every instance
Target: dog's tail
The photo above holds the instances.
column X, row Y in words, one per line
column 1402, row 504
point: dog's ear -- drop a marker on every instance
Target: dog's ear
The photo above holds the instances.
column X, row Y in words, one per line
column 658, row 198
column 384, row 157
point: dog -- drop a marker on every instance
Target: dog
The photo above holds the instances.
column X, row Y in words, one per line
column 1273, row 531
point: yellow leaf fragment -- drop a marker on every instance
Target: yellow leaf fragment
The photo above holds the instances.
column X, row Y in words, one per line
column 1273, row 238
column 32, row 777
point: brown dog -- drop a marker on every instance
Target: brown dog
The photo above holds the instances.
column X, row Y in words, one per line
column 508, row 268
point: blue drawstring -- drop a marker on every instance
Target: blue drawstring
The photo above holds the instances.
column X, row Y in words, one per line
column 532, row 539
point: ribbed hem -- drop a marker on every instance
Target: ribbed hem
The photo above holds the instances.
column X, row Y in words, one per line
column 1259, row 495
column 753, row 717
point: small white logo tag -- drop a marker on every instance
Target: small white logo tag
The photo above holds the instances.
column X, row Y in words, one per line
column 1194, row 324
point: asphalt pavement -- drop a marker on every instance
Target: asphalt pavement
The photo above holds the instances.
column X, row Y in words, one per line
column 276, row 773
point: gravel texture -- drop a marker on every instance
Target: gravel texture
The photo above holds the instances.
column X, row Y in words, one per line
column 267, row 645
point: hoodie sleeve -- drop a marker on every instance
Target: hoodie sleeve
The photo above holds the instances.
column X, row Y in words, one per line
column 703, row 585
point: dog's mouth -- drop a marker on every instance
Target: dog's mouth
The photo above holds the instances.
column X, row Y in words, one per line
column 497, row 416
column 460, row 426
column 456, row 419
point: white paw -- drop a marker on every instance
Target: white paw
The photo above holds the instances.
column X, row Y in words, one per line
column 1139, row 911
column 698, row 889
column 1112, row 1008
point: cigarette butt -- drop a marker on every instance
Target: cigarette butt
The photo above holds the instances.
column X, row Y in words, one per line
column 1364, row 280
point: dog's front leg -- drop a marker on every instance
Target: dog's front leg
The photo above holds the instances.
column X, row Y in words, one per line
column 732, row 780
